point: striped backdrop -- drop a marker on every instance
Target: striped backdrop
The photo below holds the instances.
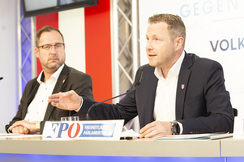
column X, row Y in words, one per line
column 87, row 38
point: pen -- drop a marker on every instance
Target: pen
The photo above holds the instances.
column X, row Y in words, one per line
column 127, row 138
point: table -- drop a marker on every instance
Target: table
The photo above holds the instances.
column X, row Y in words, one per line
column 124, row 149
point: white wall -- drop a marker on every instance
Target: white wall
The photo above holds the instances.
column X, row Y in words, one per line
column 8, row 61
column 207, row 21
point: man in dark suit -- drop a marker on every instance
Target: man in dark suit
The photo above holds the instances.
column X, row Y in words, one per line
column 179, row 93
column 56, row 77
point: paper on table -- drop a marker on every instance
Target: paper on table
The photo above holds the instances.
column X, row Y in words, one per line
column 11, row 135
column 129, row 133
column 8, row 134
column 210, row 136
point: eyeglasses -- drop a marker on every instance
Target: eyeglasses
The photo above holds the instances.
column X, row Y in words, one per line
column 49, row 46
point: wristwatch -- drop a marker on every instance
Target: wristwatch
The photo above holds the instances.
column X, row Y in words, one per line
column 175, row 128
column 37, row 127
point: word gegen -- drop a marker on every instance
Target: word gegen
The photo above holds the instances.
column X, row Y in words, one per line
column 207, row 7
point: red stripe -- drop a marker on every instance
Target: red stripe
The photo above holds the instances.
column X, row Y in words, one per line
column 41, row 21
column 98, row 49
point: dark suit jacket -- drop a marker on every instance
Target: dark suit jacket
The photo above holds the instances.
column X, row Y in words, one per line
column 202, row 106
column 69, row 79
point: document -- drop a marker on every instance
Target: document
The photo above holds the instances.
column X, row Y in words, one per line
column 11, row 135
column 210, row 136
column 129, row 134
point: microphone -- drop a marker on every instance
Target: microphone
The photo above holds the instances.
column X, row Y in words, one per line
column 137, row 83
column 1, row 78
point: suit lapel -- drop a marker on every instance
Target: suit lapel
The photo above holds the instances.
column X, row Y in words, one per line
column 58, row 88
column 184, row 75
column 146, row 95
column 151, row 91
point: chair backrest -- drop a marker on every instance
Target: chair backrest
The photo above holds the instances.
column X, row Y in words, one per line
column 235, row 111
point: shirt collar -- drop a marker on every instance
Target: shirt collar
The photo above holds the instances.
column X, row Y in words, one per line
column 175, row 69
column 40, row 78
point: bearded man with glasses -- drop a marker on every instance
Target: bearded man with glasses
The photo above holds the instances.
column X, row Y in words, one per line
column 56, row 76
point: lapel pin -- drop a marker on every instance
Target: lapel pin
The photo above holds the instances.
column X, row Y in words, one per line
column 63, row 80
column 182, row 86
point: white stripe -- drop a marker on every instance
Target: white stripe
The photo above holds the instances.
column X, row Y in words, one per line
column 71, row 24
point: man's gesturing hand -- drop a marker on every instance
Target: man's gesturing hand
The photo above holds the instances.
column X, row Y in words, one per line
column 66, row 100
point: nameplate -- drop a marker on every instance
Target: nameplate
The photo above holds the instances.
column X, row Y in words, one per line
column 238, row 127
column 83, row 130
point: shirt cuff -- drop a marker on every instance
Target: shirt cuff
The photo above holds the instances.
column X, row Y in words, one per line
column 80, row 105
column 181, row 127
column 8, row 131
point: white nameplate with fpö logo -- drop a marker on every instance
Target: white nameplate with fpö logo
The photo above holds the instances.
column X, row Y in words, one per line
column 83, row 130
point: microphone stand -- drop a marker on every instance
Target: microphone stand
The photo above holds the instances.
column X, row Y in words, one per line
column 98, row 103
column 138, row 81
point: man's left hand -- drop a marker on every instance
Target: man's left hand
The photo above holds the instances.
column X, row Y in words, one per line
column 156, row 129
column 26, row 124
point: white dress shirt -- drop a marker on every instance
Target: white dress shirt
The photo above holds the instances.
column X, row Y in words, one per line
column 164, row 107
column 37, row 108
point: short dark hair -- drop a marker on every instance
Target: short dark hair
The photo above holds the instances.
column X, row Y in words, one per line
column 46, row 29
column 176, row 26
